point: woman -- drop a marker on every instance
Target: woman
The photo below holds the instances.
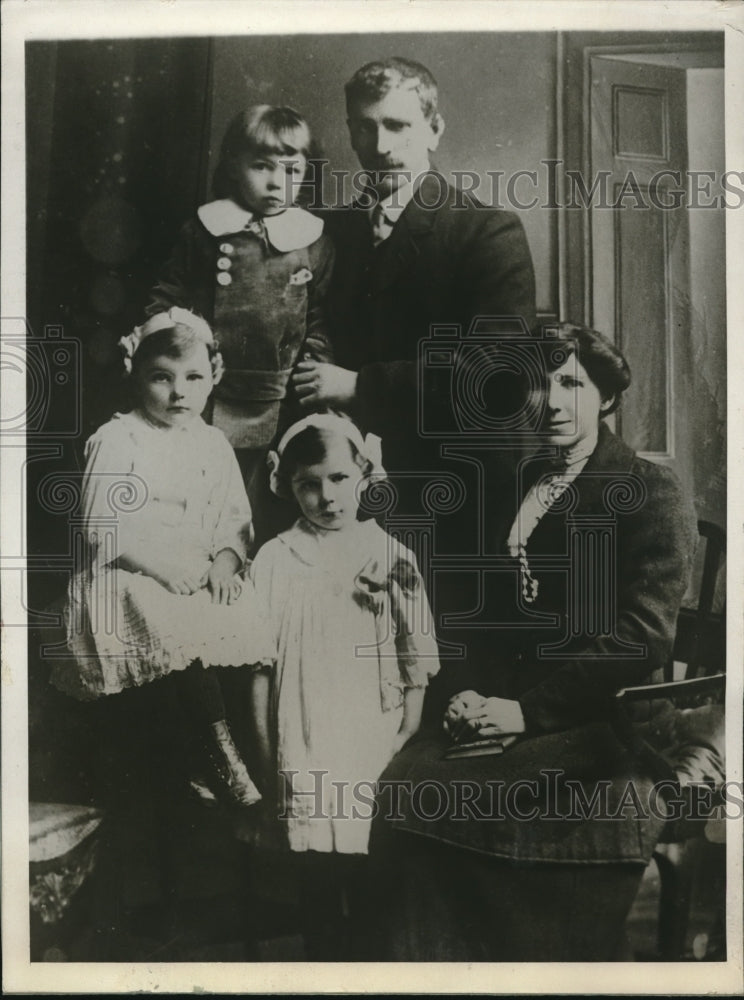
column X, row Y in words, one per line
column 535, row 853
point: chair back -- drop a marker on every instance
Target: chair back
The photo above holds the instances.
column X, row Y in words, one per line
column 700, row 642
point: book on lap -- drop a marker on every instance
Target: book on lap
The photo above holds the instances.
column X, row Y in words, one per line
column 480, row 748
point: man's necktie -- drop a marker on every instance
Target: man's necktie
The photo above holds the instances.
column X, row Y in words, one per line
column 382, row 227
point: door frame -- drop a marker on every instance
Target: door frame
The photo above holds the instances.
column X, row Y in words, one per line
column 573, row 141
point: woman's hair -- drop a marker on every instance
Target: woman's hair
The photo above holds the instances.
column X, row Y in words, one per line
column 603, row 362
column 172, row 342
column 310, row 447
column 263, row 130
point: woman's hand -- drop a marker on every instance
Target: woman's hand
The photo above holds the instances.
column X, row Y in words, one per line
column 460, row 707
column 471, row 716
column 224, row 584
column 318, row 383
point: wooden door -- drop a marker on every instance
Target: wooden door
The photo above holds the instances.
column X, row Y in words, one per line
column 640, row 267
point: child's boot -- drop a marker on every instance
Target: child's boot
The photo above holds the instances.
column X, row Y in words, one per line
column 230, row 768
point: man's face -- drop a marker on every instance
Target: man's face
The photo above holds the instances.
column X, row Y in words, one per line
column 392, row 138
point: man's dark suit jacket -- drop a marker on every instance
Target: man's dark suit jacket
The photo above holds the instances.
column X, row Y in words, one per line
column 441, row 265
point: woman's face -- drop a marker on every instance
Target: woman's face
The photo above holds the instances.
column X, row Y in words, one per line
column 327, row 491
column 574, row 404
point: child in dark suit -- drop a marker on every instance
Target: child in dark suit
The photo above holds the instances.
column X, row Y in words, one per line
column 257, row 267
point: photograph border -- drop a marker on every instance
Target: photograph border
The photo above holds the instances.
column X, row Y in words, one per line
column 65, row 19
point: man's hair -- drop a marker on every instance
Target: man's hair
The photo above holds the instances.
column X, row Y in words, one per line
column 376, row 79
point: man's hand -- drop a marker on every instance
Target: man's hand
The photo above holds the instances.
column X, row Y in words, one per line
column 318, row 383
column 224, row 585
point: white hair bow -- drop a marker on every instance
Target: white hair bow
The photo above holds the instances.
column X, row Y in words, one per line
column 164, row 321
column 369, row 446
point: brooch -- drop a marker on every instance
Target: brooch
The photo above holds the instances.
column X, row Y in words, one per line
column 301, row 277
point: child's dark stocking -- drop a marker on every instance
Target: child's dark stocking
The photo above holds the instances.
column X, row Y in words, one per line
column 361, row 895
column 323, row 921
column 238, row 691
column 334, row 903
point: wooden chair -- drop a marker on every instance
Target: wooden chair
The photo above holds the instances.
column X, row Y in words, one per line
column 699, row 655
column 700, row 642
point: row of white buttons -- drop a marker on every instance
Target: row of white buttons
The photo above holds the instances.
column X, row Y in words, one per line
column 224, row 264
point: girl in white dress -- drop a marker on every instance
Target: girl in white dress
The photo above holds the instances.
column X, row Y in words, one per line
column 165, row 525
column 356, row 648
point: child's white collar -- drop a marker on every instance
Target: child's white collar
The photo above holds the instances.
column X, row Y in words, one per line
column 294, row 229
column 317, row 547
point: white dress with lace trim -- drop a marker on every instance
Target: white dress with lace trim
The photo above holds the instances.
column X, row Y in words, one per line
column 353, row 630
column 186, row 502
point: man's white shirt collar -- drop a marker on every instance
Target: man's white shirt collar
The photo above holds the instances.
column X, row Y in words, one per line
column 394, row 204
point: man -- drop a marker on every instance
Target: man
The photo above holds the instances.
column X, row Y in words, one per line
column 412, row 253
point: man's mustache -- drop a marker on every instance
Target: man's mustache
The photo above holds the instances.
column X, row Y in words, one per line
column 384, row 166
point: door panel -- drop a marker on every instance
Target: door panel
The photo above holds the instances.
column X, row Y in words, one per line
column 641, row 252
column 640, row 260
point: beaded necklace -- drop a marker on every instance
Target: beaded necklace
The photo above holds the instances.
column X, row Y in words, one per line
column 560, row 472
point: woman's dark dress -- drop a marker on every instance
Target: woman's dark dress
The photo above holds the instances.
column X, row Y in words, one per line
column 612, row 559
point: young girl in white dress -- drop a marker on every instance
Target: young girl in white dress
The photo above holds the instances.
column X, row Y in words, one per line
column 356, row 649
column 165, row 523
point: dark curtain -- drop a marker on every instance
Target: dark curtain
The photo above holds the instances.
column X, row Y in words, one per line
column 116, row 135
column 115, row 154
